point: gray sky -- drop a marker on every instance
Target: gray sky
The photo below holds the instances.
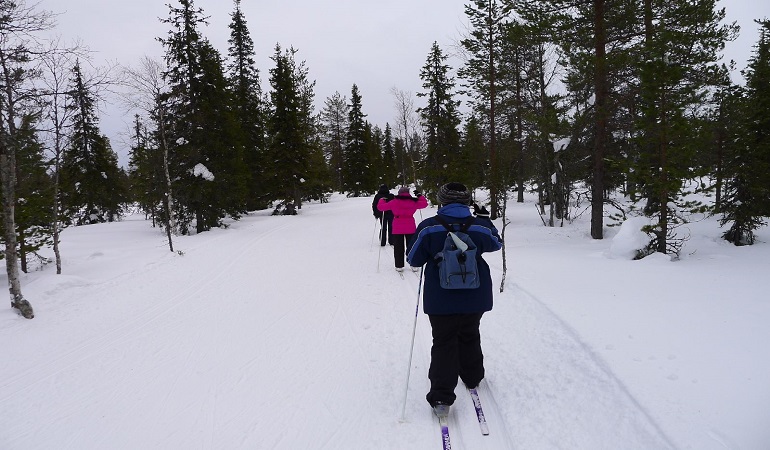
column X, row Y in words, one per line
column 374, row 43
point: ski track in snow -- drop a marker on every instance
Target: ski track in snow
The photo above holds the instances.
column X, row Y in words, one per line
column 273, row 346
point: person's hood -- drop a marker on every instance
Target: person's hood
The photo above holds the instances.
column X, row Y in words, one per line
column 456, row 210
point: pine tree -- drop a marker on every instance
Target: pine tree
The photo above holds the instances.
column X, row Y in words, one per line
column 92, row 188
column 588, row 33
column 358, row 176
column 680, row 50
column 746, row 204
column 243, row 78
column 440, row 119
column 484, row 46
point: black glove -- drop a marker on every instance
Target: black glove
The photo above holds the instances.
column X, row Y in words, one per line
column 480, row 211
column 417, row 193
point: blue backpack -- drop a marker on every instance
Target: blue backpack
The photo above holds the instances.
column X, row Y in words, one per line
column 456, row 262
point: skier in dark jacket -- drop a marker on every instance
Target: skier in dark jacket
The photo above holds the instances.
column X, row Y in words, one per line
column 385, row 217
column 455, row 314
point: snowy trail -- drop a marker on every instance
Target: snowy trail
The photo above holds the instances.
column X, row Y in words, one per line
column 279, row 332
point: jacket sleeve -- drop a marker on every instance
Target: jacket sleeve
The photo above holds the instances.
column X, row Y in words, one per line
column 383, row 205
column 377, row 213
column 490, row 240
column 422, row 202
column 418, row 251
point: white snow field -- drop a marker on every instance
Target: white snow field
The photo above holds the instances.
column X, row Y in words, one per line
column 283, row 333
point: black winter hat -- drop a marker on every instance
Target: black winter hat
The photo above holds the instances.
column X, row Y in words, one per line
column 454, row 193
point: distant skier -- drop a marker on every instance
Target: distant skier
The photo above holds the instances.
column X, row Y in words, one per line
column 385, row 218
column 455, row 314
column 403, row 207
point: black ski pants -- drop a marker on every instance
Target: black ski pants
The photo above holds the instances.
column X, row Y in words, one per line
column 386, row 229
column 456, row 352
column 399, row 248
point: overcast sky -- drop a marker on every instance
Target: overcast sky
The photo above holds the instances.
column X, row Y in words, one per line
column 374, row 43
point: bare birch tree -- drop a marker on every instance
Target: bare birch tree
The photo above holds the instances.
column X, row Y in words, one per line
column 148, row 86
column 18, row 25
column 407, row 125
column 54, row 66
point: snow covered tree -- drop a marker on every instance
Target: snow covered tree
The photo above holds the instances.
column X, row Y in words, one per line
column 440, row 119
column 93, row 188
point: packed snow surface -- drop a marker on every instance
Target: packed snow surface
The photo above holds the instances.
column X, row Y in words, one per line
column 294, row 333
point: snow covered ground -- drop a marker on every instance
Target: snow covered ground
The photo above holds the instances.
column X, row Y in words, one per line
column 281, row 333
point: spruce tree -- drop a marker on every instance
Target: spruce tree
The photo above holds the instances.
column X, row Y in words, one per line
column 440, row 119
column 389, row 164
column 145, row 168
column 34, row 190
column 358, row 172
column 746, row 204
column 473, row 153
column 205, row 152
column 292, row 130
column 92, row 188
column 244, row 82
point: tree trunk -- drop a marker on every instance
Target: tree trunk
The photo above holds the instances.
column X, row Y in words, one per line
column 493, row 171
column 7, row 179
column 168, row 198
column 600, row 90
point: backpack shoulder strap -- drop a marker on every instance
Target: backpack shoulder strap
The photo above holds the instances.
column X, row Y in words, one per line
column 444, row 223
column 463, row 225
column 467, row 224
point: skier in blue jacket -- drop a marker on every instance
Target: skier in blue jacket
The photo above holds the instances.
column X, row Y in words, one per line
column 455, row 314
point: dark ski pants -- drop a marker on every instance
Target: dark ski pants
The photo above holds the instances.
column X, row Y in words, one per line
column 399, row 248
column 456, row 352
column 386, row 230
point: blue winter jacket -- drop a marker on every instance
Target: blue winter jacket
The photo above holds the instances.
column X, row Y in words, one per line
column 429, row 239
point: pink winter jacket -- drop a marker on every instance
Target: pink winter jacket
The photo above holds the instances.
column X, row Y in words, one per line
column 403, row 207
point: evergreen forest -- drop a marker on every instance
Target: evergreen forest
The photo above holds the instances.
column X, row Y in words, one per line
column 580, row 102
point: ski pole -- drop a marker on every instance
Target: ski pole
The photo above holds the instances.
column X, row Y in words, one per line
column 374, row 231
column 411, row 347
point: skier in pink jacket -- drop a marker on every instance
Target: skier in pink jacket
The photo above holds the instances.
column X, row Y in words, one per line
column 403, row 206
